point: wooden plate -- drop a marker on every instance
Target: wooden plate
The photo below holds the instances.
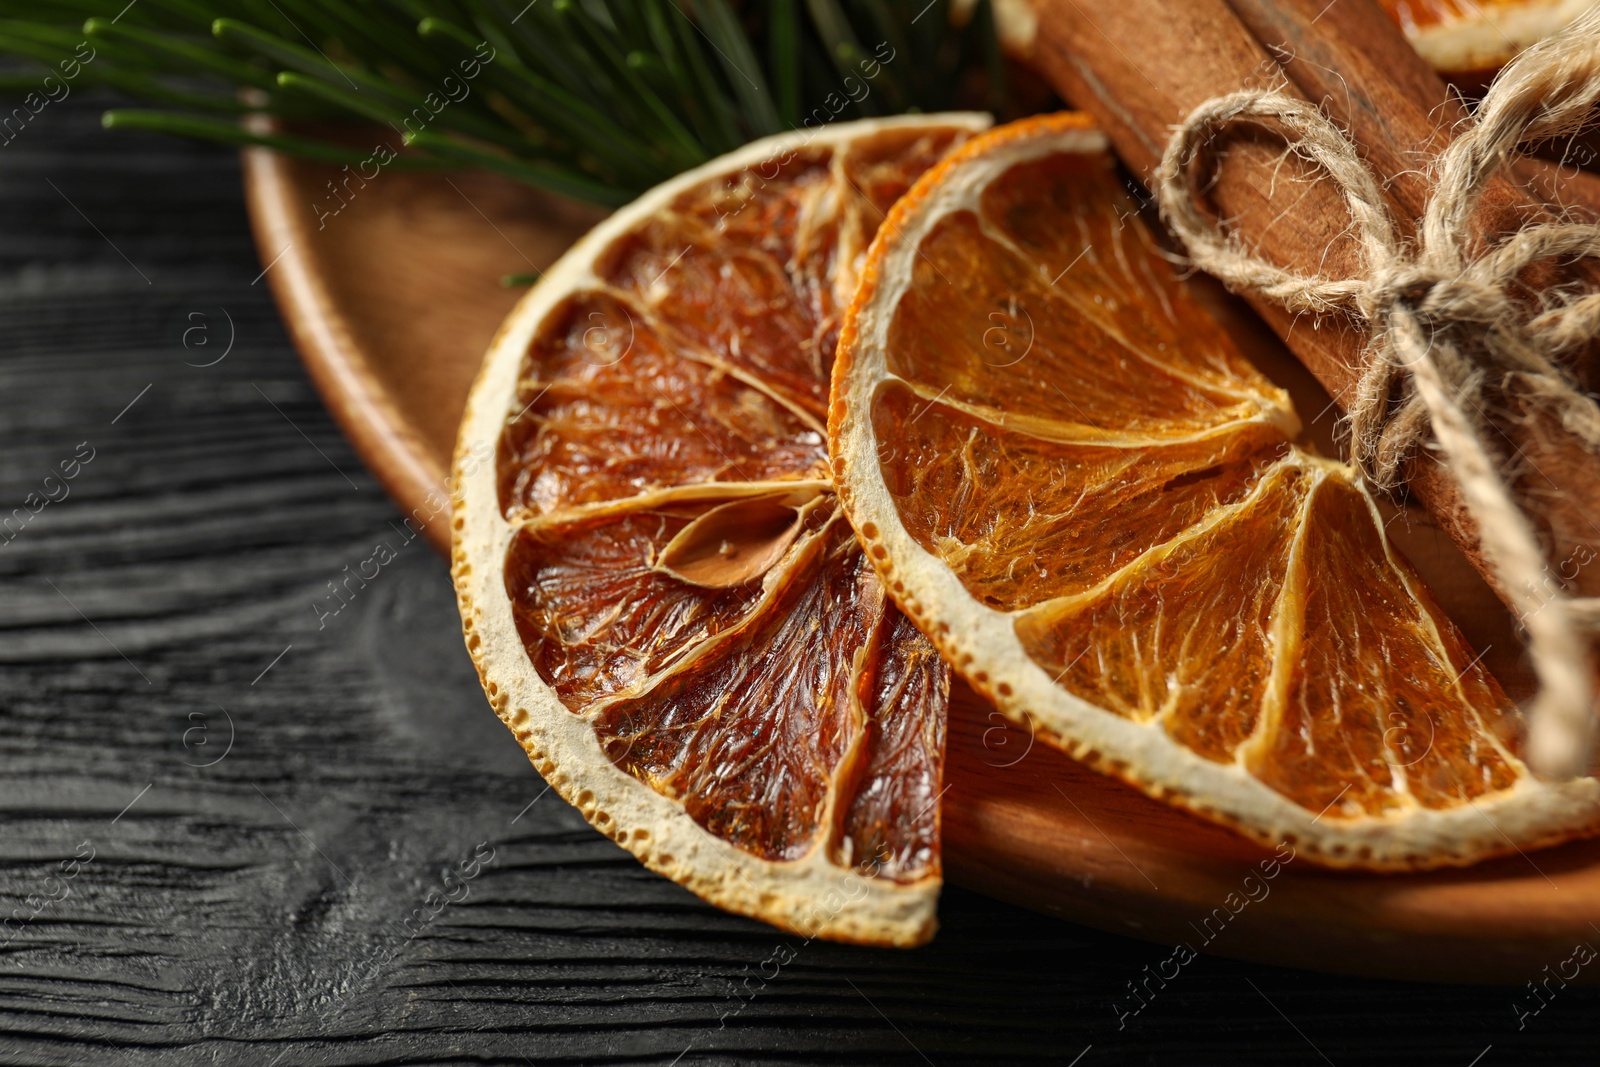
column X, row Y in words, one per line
column 393, row 301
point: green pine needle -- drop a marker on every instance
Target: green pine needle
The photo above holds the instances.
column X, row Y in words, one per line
column 597, row 99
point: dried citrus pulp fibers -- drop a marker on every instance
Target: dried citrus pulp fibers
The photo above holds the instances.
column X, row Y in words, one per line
column 1071, row 479
column 662, row 597
column 1464, row 36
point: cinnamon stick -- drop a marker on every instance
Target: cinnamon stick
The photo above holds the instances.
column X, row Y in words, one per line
column 1140, row 66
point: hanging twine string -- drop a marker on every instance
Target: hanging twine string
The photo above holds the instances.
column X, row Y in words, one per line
column 1443, row 324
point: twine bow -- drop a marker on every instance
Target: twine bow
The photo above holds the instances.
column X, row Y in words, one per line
column 1444, row 323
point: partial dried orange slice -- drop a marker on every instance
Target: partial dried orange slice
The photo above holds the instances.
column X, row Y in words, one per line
column 1464, row 38
column 662, row 597
column 1074, row 482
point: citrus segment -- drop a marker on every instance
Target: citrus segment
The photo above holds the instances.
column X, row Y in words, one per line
column 597, row 618
column 753, row 737
column 1041, row 366
column 754, row 274
column 1182, row 638
column 608, row 410
column 1384, row 702
column 1110, row 532
column 660, row 592
column 1082, row 511
column 892, row 823
column 1111, row 262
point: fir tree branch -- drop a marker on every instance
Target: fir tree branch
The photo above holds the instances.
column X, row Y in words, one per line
column 598, row 99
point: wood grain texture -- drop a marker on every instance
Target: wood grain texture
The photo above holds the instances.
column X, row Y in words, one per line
column 210, row 930
column 1021, row 822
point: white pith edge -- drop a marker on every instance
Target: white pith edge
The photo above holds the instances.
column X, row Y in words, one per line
column 1491, row 35
column 980, row 642
column 810, row 896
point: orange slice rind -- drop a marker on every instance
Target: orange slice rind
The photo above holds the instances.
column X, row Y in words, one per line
column 1476, row 37
column 661, row 596
column 1072, row 480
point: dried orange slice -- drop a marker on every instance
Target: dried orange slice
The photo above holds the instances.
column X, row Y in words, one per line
column 1478, row 37
column 1074, row 482
column 662, row 597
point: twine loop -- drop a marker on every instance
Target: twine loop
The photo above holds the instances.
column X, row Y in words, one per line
column 1448, row 322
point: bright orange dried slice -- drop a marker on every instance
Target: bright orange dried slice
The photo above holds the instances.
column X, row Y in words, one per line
column 1478, row 37
column 662, row 597
column 1073, row 481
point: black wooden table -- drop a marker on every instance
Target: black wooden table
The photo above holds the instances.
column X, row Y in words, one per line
column 227, row 825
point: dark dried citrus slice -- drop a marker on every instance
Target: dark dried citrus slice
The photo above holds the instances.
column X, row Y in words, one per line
column 662, row 597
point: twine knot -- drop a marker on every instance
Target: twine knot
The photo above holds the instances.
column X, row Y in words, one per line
column 1448, row 322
